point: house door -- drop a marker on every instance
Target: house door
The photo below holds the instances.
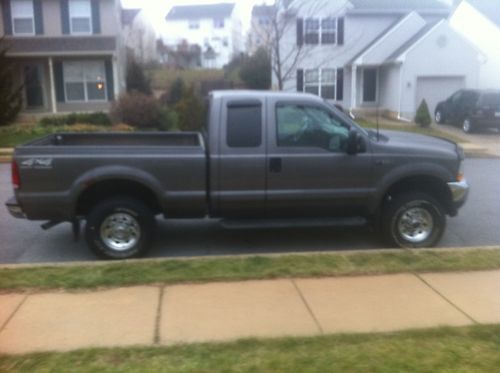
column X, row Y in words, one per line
column 369, row 85
column 33, row 85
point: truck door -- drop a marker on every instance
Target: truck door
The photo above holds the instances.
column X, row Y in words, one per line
column 241, row 187
column 309, row 172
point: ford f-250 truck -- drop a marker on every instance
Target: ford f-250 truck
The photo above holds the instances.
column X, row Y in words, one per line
column 264, row 157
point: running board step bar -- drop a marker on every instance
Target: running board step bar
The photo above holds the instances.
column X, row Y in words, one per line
column 291, row 223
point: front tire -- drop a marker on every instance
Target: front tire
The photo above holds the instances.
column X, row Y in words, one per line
column 120, row 228
column 413, row 220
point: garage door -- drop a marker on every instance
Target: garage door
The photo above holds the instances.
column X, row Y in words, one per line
column 437, row 89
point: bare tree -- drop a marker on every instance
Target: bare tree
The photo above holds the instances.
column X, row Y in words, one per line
column 279, row 32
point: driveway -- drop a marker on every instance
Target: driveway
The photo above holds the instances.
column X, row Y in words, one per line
column 24, row 242
column 488, row 139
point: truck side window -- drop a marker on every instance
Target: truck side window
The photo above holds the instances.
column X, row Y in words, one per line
column 309, row 126
column 244, row 125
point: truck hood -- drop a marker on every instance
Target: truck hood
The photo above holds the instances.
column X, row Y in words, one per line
column 415, row 143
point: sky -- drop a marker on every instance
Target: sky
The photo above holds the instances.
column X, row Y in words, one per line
column 156, row 10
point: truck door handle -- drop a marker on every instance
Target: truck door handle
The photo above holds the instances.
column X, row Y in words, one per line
column 275, row 164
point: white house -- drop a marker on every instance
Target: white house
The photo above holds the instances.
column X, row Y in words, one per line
column 139, row 35
column 215, row 28
column 260, row 33
column 367, row 54
column 479, row 22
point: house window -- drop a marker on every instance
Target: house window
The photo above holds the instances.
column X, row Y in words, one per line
column 321, row 82
column 23, row 18
column 328, row 31
column 218, row 23
column 80, row 15
column 194, row 24
column 311, row 32
column 84, row 81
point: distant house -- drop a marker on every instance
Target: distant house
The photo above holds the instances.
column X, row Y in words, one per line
column 68, row 53
column 215, row 28
column 479, row 22
column 139, row 35
column 260, row 31
column 377, row 54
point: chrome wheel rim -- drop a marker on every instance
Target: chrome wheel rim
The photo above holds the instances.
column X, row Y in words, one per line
column 415, row 225
column 467, row 125
column 120, row 231
column 438, row 117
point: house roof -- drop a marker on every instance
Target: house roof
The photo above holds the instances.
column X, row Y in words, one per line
column 222, row 10
column 128, row 16
column 53, row 46
column 407, row 5
column 490, row 8
column 410, row 42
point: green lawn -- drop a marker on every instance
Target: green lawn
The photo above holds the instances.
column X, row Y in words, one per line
column 469, row 349
column 173, row 271
column 410, row 127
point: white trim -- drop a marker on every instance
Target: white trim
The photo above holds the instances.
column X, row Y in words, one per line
column 359, row 60
column 320, row 82
column 320, row 30
column 402, row 58
column 14, row 33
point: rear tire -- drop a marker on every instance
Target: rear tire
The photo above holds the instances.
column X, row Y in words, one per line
column 120, row 228
column 413, row 220
column 467, row 126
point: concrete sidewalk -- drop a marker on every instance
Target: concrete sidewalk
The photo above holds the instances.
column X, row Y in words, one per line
column 164, row 315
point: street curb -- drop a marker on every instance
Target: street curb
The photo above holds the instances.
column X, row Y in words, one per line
column 244, row 256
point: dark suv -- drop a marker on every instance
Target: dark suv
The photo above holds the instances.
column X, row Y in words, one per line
column 472, row 109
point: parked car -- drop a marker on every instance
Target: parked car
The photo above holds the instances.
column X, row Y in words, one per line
column 265, row 159
column 471, row 109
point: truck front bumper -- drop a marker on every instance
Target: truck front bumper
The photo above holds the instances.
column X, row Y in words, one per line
column 459, row 192
column 14, row 208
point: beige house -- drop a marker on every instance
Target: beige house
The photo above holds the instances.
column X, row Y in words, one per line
column 69, row 53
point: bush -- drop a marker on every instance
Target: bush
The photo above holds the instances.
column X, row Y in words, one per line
column 136, row 79
column 169, row 120
column 191, row 111
column 256, row 70
column 10, row 93
column 137, row 109
column 423, row 117
column 176, row 91
column 98, row 119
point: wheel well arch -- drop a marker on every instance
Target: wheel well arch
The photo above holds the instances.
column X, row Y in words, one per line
column 431, row 185
column 105, row 189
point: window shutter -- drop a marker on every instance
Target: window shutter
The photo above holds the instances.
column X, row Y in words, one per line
column 65, row 16
column 300, row 32
column 7, row 21
column 38, row 12
column 96, row 17
column 59, row 81
column 340, row 33
column 110, row 86
column 340, row 84
column 300, row 80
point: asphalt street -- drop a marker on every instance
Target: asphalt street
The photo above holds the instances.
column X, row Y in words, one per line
column 23, row 241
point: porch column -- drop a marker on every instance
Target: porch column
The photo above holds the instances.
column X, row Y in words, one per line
column 116, row 76
column 354, row 72
column 53, row 99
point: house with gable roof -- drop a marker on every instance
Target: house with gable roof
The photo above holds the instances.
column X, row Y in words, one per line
column 368, row 55
column 215, row 28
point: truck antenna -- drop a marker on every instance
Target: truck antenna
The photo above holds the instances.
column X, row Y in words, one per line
column 378, row 127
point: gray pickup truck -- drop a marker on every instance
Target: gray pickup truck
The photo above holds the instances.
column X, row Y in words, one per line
column 264, row 158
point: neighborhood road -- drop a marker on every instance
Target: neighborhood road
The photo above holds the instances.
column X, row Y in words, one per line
column 23, row 241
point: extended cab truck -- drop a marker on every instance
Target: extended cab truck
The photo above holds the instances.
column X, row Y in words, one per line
column 264, row 157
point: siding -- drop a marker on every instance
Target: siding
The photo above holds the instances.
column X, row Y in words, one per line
column 52, row 18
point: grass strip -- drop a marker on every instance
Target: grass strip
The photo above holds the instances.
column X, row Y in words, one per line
column 429, row 131
column 468, row 349
column 171, row 271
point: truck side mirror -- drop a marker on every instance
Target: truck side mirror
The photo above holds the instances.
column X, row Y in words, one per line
column 355, row 143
